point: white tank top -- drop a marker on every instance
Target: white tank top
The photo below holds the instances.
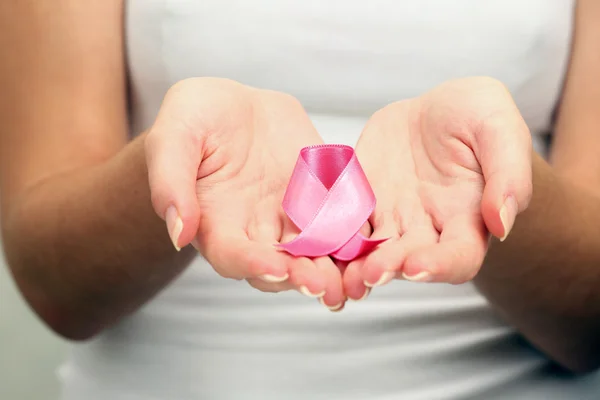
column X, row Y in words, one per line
column 205, row 337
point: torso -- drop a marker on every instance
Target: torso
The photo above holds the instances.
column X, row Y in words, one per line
column 205, row 337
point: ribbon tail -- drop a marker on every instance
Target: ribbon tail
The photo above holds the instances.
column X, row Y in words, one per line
column 356, row 247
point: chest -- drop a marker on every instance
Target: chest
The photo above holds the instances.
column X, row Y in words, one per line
column 351, row 57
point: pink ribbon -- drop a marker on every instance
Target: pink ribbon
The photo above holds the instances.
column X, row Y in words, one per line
column 329, row 199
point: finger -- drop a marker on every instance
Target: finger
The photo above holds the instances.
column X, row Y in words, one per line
column 306, row 277
column 504, row 151
column 372, row 267
column 266, row 225
column 173, row 156
column 302, row 278
column 235, row 256
column 384, row 264
column 456, row 258
column 266, row 228
column 341, row 265
column 304, row 274
column 352, row 281
column 354, row 285
column 334, row 297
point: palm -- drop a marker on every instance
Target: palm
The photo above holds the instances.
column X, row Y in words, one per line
column 220, row 155
column 255, row 138
column 242, row 179
column 437, row 174
column 428, row 184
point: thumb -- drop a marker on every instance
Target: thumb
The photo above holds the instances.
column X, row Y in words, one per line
column 504, row 151
column 173, row 156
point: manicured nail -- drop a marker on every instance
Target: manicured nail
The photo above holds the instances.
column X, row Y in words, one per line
column 304, row 290
column 335, row 308
column 508, row 213
column 423, row 276
column 195, row 244
column 274, row 279
column 365, row 294
column 386, row 277
column 174, row 225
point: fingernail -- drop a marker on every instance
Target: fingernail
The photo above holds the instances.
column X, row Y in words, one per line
column 423, row 276
column 195, row 244
column 304, row 290
column 335, row 308
column 365, row 294
column 174, row 225
column 383, row 279
column 274, row 279
column 508, row 213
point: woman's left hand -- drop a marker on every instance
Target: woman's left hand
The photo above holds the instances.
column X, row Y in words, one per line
column 448, row 168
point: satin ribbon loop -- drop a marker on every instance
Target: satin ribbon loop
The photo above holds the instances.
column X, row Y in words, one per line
column 329, row 199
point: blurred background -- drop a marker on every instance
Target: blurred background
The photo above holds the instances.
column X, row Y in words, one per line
column 29, row 352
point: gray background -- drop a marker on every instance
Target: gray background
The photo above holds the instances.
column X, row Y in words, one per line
column 29, row 352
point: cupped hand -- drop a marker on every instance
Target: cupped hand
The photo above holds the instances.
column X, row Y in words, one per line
column 448, row 169
column 219, row 156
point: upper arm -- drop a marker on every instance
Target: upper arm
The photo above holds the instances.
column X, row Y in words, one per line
column 576, row 148
column 63, row 99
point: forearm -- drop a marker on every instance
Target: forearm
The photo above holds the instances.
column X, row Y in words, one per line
column 545, row 278
column 87, row 248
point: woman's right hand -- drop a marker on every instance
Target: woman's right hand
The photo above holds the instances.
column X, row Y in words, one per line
column 219, row 157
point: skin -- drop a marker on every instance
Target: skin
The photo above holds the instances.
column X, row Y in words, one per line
column 83, row 208
column 553, row 296
column 80, row 231
column 69, row 179
column 219, row 166
column 456, row 164
column 544, row 278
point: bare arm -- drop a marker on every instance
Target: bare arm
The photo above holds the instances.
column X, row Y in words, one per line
column 545, row 278
column 80, row 234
